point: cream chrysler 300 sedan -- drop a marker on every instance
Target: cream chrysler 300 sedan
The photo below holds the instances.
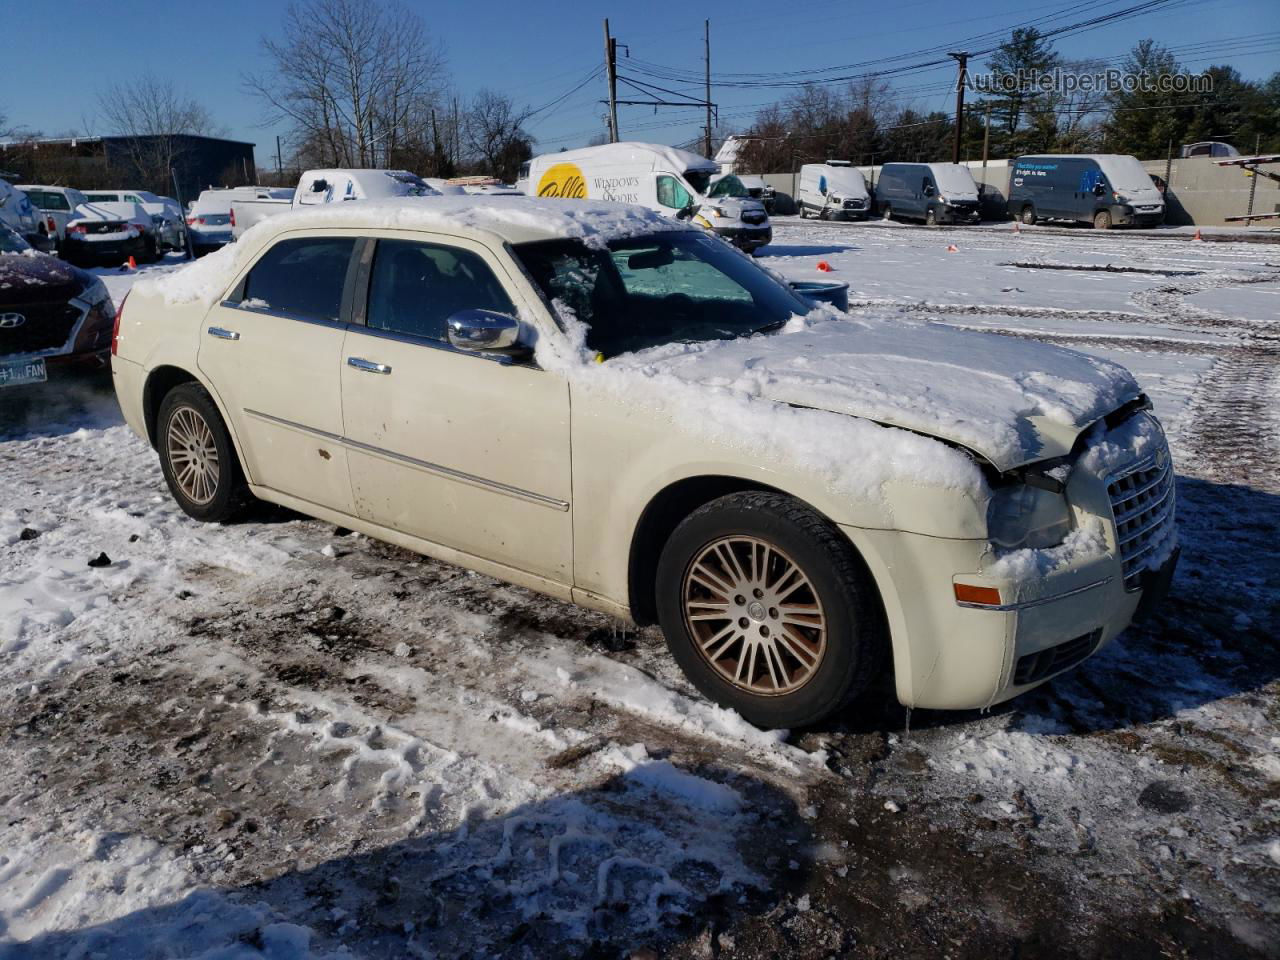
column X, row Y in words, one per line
column 618, row 410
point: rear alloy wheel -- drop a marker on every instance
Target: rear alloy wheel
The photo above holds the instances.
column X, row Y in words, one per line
column 197, row 456
column 886, row 212
column 768, row 610
column 1029, row 216
column 1102, row 220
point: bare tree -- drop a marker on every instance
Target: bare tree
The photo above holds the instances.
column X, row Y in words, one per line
column 355, row 78
column 495, row 137
column 154, row 115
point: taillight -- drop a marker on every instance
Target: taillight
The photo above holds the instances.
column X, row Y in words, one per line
column 77, row 228
column 115, row 327
column 51, row 225
column 190, row 221
column 233, row 216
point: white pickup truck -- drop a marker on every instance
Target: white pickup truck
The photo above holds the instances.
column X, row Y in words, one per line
column 329, row 186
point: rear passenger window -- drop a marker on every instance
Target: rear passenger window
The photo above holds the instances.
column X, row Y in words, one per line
column 302, row 277
column 416, row 287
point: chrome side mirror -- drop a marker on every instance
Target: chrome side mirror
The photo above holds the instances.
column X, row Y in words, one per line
column 482, row 330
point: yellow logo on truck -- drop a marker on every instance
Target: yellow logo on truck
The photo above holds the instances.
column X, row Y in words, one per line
column 563, row 180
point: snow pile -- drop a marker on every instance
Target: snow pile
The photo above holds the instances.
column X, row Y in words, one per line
column 592, row 221
column 661, row 776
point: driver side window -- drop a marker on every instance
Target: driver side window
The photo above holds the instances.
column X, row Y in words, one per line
column 671, row 193
column 416, row 287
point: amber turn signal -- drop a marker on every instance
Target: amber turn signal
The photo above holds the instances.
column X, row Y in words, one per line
column 986, row 596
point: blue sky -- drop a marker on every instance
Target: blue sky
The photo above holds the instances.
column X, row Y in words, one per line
column 537, row 53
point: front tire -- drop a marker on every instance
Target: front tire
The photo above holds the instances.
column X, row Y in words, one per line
column 197, row 456
column 931, row 217
column 1029, row 216
column 1102, row 220
column 768, row 609
column 886, row 212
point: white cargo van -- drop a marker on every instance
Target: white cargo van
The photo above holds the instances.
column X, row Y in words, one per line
column 832, row 190
column 671, row 181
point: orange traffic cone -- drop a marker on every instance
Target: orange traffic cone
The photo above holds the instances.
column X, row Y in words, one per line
column 1198, row 237
column 1017, row 227
column 824, row 266
column 133, row 264
column 952, row 248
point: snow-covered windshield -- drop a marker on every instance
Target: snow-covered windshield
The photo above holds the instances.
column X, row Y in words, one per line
column 677, row 287
column 10, row 242
column 729, row 186
column 952, row 178
column 1125, row 174
column 412, row 185
column 846, row 182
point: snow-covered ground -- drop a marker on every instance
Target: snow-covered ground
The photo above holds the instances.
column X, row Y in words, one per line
column 280, row 739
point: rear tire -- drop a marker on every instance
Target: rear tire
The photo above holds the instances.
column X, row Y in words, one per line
column 785, row 635
column 804, row 214
column 1102, row 220
column 930, row 218
column 197, row 456
column 886, row 212
column 1029, row 216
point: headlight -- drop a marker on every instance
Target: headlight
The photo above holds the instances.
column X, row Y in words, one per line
column 833, row 198
column 1024, row 516
column 94, row 293
column 941, row 198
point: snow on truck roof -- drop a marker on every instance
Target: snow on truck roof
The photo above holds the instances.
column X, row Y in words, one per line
column 677, row 161
column 506, row 218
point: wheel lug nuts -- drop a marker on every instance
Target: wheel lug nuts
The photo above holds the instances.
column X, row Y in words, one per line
column 743, row 622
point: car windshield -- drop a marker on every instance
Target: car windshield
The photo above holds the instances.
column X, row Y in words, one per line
column 729, row 186
column 671, row 287
column 700, row 180
column 416, row 186
column 10, row 242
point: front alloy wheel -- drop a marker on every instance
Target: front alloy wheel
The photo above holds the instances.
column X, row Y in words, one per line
column 754, row 616
column 769, row 610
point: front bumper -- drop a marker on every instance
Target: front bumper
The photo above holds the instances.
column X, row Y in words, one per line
column 748, row 238
column 1127, row 216
column 951, row 655
column 958, row 213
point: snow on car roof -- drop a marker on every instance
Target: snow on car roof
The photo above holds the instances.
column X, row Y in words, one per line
column 504, row 218
column 672, row 158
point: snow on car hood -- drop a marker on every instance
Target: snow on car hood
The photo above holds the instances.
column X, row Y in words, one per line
column 1010, row 401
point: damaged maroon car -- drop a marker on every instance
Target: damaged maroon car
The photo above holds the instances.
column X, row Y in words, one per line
column 50, row 313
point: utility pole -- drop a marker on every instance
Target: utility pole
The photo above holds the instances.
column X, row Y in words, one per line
column 279, row 160
column 706, row 43
column 961, row 58
column 611, row 69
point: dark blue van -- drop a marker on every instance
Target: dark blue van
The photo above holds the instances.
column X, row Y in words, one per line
column 932, row 192
column 1105, row 189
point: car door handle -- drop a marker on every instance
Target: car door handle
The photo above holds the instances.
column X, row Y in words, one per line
column 222, row 333
column 368, row 366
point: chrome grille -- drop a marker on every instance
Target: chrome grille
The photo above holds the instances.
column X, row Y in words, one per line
column 1142, row 504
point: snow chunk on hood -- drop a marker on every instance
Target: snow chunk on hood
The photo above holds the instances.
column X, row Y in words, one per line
column 1011, row 401
column 724, row 403
column 595, row 222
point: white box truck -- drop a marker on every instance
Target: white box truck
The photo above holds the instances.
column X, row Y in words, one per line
column 675, row 182
column 834, row 190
